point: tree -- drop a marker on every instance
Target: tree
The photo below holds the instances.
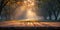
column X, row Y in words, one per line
column 52, row 7
column 2, row 5
column 56, row 9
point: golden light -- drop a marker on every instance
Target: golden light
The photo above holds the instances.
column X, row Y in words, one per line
column 29, row 6
column 18, row 23
column 26, row 8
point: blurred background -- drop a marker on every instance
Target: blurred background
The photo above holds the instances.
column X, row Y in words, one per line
column 45, row 10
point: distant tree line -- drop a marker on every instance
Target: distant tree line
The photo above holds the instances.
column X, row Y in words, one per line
column 7, row 7
column 50, row 8
column 2, row 5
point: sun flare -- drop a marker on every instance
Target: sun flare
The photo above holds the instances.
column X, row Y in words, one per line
column 28, row 7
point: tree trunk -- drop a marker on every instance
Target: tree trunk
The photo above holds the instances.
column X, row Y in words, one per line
column 50, row 17
column 50, row 14
column 56, row 15
column 0, row 12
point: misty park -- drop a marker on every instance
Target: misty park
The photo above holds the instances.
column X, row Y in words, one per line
column 39, row 10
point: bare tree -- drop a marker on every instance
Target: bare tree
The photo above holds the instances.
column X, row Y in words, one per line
column 56, row 9
column 2, row 5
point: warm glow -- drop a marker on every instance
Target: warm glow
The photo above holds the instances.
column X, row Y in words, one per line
column 18, row 23
column 28, row 7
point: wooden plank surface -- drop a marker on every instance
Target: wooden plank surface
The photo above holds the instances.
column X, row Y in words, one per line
column 29, row 24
